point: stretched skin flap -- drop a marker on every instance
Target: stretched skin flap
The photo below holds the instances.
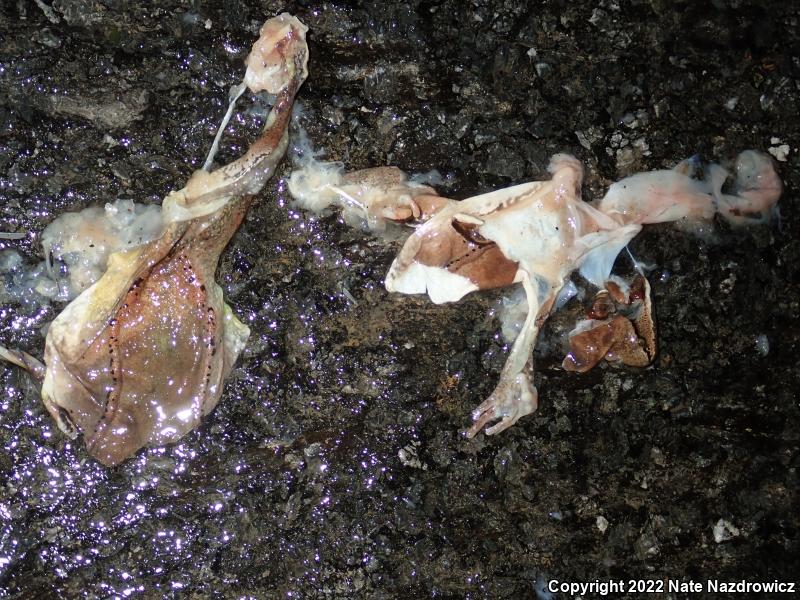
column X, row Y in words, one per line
column 140, row 357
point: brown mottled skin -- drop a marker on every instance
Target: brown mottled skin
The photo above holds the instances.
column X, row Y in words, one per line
column 160, row 345
column 151, row 368
column 616, row 337
column 462, row 251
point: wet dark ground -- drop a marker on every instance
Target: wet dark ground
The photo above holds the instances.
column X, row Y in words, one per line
column 333, row 465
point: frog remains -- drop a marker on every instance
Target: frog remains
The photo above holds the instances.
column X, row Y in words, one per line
column 140, row 356
column 538, row 234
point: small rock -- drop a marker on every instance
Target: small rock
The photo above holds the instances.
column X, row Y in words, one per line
column 762, row 344
column 408, row 456
column 724, row 531
column 602, row 523
column 781, row 152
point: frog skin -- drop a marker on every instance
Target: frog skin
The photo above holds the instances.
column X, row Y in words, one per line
column 139, row 357
column 539, row 233
column 535, row 233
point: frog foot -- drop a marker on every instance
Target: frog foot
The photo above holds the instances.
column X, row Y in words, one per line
column 399, row 207
column 514, row 397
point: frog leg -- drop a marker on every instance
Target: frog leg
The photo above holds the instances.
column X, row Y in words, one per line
column 515, row 395
column 24, row 360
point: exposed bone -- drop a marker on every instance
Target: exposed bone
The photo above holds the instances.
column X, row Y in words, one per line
column 276, row 55
column 538, row 233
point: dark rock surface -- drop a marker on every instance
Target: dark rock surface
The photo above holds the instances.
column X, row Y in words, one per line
column 334, row 466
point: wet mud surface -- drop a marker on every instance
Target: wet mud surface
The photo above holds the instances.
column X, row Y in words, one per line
column 334, row 464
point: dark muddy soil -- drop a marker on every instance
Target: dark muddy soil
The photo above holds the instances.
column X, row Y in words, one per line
column 334, row 465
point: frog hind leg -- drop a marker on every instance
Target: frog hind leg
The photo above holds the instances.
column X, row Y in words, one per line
column 515, row 395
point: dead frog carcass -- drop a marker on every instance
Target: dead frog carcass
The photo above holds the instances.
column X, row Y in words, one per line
column 140, row 356
column 539, row 233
